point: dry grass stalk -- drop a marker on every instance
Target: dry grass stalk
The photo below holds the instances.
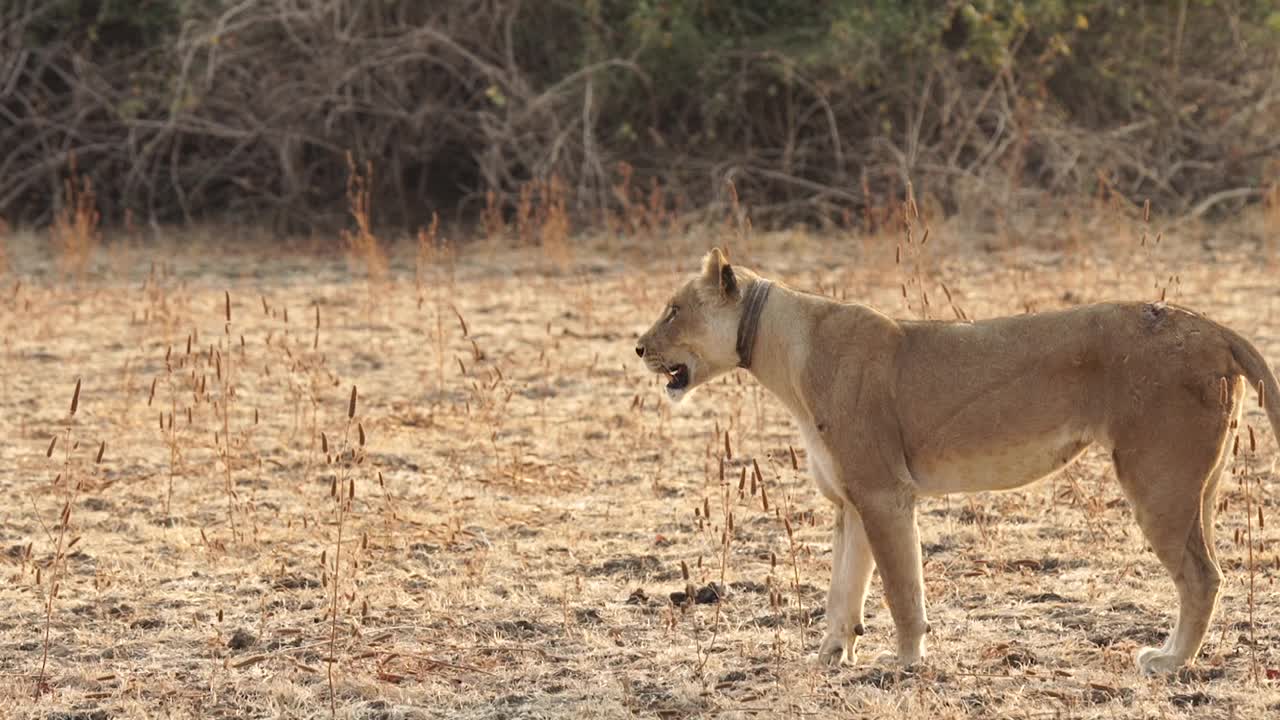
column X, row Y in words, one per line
column 1271, row 220
column 642, row 216
column 1247, row 482
column 526, row 217
column 541, row 218
column 738, row 223
column 783, row 514
column 70, row 484
column 624, row 221
column 726, row 540
column 436, row 262
column 342, row 492
column 553, row 232
column 491, row 218
column 5, row 232
column 910, row 259
column 362, row 244
column 169, row 430
column 74, row 231
column 223, row 375
column 435, row 257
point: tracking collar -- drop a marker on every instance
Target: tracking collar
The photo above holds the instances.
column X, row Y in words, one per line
column 749, row 324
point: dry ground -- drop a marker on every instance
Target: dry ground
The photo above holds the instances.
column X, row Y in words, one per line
column 526, row 499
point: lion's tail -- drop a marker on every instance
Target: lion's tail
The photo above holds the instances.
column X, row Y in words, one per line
column 1255, row 369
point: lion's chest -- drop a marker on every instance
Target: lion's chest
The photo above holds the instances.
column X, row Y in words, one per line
column 822, row 464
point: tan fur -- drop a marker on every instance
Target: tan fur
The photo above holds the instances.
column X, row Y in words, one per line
column 893, row 410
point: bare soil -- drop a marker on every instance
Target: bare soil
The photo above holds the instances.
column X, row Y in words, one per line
column 516, row 526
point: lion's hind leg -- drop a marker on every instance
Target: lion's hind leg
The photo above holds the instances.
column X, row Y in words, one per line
column 1172, row 487
column 1197, row 578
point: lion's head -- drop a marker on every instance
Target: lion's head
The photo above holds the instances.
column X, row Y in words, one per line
column 695, row 338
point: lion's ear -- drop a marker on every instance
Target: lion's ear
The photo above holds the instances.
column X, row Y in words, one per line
column 718, row 273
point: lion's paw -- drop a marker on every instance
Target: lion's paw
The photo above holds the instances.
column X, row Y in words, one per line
column 895, row 661
column 832, row 652
column 1157, row 661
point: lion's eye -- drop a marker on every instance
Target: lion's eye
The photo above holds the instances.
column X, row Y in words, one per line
column 671, row 314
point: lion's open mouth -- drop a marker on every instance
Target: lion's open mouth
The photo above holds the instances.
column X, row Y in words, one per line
column 679, row 375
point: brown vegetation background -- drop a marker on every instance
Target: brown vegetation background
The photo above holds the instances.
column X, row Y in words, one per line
column 820, row 112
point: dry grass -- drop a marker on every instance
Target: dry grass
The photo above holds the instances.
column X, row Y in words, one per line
column 498, row 528
column 75, row 233
column 4, row 247
column 361, row 244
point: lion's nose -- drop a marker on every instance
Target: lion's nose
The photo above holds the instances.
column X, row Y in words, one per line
column 640, row 350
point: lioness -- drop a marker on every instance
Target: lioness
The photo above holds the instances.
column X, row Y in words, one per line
column 892, row 410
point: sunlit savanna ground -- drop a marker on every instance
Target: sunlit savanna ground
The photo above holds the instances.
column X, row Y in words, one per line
column 526, row 496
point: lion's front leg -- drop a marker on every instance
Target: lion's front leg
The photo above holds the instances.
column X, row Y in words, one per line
column 851, row 568
column 890, row 521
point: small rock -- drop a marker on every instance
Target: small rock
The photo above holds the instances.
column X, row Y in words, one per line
column 242, row 639
column 749, row 586
column 633, row 565
column 588, row 616
column 96, row 504
column 1195, row 699
column 709, row 594
column 1019, row 658
column 1099, row 694
column 880, row 678
column 79, row 715
column 296, row 582
column 1047, row 597
column 523, row 628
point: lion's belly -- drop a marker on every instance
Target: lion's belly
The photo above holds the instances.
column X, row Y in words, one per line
column 1004, row 465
